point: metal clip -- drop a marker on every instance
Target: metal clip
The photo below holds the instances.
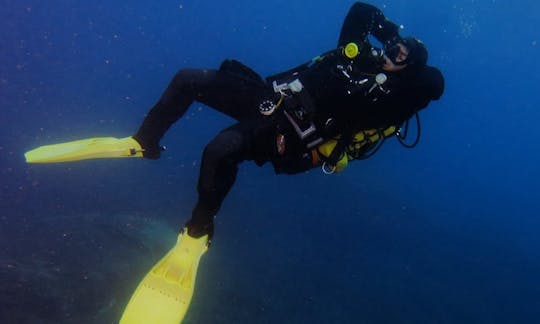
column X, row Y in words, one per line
column 301, row 133
column 380, row 79
column 294, row 86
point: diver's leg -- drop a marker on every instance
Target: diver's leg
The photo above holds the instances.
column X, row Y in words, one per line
column 233, row 96
column 217, row 175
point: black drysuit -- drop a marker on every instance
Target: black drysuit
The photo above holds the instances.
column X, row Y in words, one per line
column 237, row 91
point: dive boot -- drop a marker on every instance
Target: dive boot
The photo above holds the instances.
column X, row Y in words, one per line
column 91, row 148
column 164, row 295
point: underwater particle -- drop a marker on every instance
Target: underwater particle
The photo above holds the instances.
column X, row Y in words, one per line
column 533, row 43
column 467, row 22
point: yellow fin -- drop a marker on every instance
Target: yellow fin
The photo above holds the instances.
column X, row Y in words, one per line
column 164, row 295
column 91, row 148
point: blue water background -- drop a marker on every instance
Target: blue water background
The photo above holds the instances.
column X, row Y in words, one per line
column 444, row 233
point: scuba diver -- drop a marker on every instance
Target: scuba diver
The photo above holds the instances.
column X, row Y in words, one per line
column 338, row 107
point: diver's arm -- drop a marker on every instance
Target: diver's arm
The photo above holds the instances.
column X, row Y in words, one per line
column 364, row 19
column 288, row 73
